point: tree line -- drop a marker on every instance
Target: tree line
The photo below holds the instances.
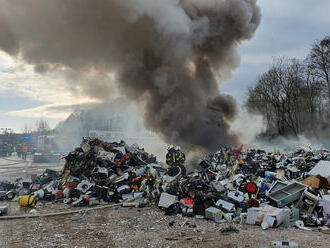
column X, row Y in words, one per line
column 293, row 96
column 41, row 127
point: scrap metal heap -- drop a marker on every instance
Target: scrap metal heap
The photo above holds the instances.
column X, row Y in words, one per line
column 251, row 186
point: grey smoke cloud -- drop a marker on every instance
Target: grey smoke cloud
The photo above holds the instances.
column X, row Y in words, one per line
column 169, row 55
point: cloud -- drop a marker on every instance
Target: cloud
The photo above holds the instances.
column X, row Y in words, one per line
column 49, row 89
column 70, row 108
column 288, row 28
column 6, row 62
column 51, row 111
column 45, row 111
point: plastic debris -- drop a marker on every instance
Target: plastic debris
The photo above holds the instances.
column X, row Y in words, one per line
column 231, row 185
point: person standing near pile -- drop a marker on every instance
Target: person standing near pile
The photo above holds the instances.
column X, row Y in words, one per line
column 175, row 159
column 19, row 150
column 25, row 149
column 170, row 160
column 180, row 158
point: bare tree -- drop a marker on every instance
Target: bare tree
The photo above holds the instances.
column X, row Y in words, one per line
column 27, row 129
column 319, row 61
column 42, row 126
column 287, row 95
column 292, row 95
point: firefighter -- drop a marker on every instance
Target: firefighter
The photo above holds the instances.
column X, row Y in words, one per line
column 180, row 158
column 8, row 149
column 175, row 159
column 25, row 149
column 19, row 150
column 171, row 160
column 5, row 149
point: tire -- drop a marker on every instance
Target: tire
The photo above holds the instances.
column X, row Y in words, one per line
column 10, row 195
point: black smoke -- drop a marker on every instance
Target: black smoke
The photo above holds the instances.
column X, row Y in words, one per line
column 168, row 55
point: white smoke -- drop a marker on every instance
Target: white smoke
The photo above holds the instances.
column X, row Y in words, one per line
column 247, row 126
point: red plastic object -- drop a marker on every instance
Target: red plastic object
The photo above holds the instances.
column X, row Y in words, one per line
column 127, row 156
column 189, row 201
column 251, row 188
column 137, row 179
column 87, row 200
column 253, row 203
column 60, row 194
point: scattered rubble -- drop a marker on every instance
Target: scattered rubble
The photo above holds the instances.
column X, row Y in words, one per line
column 231, row 185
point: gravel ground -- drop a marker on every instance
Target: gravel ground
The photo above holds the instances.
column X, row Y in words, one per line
column 131, row 227
column 14, row 167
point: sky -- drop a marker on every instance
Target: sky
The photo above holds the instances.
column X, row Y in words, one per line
column 288, row 28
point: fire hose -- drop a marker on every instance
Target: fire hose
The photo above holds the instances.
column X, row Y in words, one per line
column 24, row 216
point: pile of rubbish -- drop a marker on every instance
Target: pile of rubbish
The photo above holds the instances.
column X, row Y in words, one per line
column 270, row 189
column 232, row 185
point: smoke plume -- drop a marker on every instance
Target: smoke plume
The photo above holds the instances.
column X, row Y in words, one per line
column 168, row 55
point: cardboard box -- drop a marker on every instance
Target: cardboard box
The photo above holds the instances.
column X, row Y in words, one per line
column 256, row 216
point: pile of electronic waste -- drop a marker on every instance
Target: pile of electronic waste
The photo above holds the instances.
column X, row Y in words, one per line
column 231, row 185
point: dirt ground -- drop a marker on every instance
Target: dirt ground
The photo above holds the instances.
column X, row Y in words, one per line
column 144, row 227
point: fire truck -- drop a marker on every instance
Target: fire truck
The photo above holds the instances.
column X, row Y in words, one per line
column 46, row 150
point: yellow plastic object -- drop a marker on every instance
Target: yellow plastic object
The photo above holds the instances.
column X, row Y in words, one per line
column 235, row 167
column 65, row 176
column 27, row 200
column 63, row 169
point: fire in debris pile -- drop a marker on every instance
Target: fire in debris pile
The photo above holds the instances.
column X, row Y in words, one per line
column 231, row 185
